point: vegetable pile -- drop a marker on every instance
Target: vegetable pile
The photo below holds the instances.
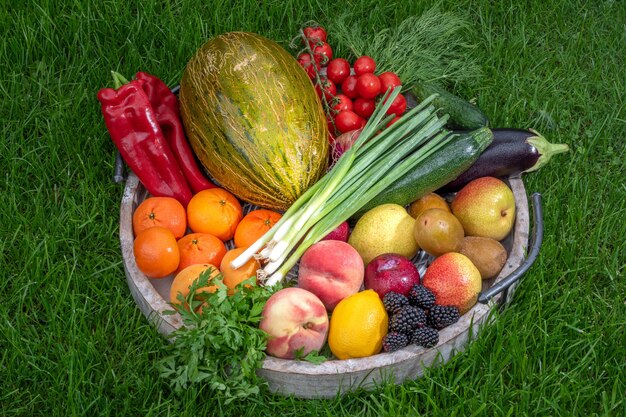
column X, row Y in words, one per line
column 293, row 246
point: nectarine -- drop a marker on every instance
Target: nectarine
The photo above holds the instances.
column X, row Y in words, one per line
column 332, row 270
column 294, row 319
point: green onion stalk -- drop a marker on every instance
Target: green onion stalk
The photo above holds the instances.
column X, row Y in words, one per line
column 364, row 169
column 328, row 181
column 362, row 172
column 360, row 166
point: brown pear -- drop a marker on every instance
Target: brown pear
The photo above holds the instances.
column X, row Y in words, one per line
column 437, row 232
column 426, row 202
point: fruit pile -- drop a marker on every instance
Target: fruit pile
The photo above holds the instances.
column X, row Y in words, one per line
column 366, row 280
column 184, row 242
column 349, row 93
column 357, row 291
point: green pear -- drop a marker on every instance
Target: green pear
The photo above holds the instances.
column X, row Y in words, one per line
column 387, row 228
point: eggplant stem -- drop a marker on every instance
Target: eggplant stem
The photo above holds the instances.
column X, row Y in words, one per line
column 545, row 148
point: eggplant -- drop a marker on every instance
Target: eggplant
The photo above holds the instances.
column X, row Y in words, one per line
column 512, row 152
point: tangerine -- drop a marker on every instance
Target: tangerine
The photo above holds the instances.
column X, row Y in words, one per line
column 200, row 248
column 233, row 277
column 186, row 277
column 254, row 225
column 160, row 211
column 214, row 211
column 156, row 252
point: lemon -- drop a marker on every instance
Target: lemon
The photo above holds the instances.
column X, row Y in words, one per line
column 358, row 325
column 387, row 228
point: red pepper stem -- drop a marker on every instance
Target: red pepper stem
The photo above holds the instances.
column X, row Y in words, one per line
column 118, row 80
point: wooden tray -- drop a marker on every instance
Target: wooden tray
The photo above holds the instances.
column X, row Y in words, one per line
column 306, row 380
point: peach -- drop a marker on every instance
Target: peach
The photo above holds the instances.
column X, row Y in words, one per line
column 294, row 319
column 332, row 270
column 454, row 280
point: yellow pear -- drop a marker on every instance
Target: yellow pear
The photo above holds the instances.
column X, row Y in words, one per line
column 387, row 228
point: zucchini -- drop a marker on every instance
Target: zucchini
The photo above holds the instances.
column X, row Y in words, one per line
column 449, row 162
column 463, row 114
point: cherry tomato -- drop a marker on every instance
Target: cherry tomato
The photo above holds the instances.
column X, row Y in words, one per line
column 338, row 70
column 348, row 120
column 364, row 107
column 364, row 65
column 324, row 53
column 315, row 33
column 348, row 86
column 329, row 88
column 368, row 85
column 308, row 64
column 398, row 105
column 388, row 80
column 341, row 102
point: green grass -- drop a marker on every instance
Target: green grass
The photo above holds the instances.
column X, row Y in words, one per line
column 72, row 341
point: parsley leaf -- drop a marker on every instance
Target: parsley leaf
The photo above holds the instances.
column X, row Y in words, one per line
column 220, row 343
column 313, row 356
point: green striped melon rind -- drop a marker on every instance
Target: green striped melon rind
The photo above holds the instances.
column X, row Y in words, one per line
column 254, row 119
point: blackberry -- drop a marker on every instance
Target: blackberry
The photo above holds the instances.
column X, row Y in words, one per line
column 421, row 297
column 442, row 316
column 394, row 341
column 426, row 337
column 394, row 302
column 407, row 320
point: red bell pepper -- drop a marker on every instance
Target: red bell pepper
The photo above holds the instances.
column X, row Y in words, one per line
column 165, row 106
column 135, row 131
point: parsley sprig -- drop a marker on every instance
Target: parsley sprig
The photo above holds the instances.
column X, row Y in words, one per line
column 220, row 343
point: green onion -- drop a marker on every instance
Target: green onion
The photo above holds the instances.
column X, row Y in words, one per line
column 286, row 223
column 377, row 158
column 352, row 183
column 353, row 199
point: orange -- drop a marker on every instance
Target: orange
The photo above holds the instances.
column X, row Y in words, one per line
column 358, row 325
column 160, row 211
column 186, row 277
column 254, row 225
column 200, row 248
column 232, row 277
column 156, row 252
column 214, row 211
